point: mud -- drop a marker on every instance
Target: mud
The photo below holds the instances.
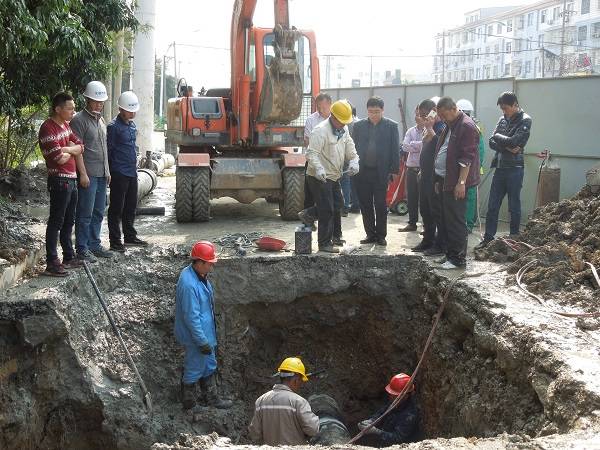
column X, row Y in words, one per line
column 16, row 238
column 491, row 369
column 25, row 185
column 564, row 235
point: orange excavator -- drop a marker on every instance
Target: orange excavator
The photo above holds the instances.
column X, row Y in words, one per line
column 238, row 142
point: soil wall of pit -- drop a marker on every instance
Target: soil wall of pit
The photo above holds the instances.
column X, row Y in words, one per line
column 64, row 382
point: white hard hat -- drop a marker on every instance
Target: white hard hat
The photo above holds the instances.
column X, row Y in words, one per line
column 435, row 100
column 95, row 90
column 464, row 105
column 128, row 101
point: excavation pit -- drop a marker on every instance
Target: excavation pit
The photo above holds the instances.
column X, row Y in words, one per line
column 360, row 318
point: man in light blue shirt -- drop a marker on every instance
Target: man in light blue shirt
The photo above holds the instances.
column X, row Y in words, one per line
column 195, row 327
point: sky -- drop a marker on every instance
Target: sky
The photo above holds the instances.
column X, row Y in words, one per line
column 351, row 27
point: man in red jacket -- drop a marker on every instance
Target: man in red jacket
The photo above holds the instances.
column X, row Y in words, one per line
column 62, row 151
column 456, row 169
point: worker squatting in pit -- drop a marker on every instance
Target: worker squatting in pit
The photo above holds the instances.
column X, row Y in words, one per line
column 281, row 416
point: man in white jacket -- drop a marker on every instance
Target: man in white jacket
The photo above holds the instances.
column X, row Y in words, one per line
column 329, row 148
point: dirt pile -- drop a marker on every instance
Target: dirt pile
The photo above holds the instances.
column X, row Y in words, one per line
column 561, row 237
column 25, row 185
column 15, row 236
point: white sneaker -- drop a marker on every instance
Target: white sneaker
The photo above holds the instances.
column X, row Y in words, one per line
column 449, row 266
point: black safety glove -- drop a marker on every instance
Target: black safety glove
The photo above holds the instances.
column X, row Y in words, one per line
column 206, row 349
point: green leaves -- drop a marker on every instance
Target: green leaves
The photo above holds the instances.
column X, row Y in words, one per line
column 50, row 45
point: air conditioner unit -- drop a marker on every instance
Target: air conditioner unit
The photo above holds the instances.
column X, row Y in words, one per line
column 596, row 35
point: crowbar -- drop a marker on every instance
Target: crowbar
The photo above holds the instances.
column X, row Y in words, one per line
column 145, row 393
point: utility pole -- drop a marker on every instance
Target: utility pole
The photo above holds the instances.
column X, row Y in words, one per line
column 162, row 87
column 119, row 47
column 443, row 56
column 565, row 17
column 175, row 59
column 371, row 78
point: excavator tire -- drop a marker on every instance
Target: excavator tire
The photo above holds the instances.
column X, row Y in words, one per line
column 201, row 193
column 192, row 195
column 293, row 193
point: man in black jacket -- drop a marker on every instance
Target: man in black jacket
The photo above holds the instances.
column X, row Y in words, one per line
column 402, row 424
column 378, row 146
column 508, row 141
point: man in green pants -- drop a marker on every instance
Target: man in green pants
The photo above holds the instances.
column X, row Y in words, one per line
column 471, row 215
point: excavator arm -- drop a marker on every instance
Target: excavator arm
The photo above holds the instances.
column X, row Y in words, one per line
column 281, row 90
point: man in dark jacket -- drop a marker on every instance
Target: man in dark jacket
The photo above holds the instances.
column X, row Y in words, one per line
column 508, row 141
column 401, row 425
column 434, row 240
column 378, row 146
column 456, row 169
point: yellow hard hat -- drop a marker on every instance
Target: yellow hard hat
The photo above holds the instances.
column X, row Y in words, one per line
column 293, row 365
column 342, row 111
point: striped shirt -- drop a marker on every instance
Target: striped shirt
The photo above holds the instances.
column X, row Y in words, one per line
column 52, row 138
column 282, row 417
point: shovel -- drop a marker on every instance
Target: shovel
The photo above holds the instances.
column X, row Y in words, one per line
column 145, row 393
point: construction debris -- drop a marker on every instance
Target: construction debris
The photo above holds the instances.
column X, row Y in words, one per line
column 564, row 240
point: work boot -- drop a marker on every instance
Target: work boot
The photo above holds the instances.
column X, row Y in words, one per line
column 188, row 395
column 209, row 386
column 483, row 244
column 408, row 228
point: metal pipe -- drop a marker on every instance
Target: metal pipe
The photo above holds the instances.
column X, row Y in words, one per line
column 332, row 429
column 147, row 181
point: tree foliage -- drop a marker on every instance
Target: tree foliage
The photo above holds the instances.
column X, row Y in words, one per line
column 52, row 45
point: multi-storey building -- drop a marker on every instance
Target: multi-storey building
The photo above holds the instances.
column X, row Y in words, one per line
column 547, row 38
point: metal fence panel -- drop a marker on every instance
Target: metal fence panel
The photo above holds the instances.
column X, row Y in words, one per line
column 565, row 120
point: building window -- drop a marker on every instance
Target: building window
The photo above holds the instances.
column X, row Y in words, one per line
column 490, row 30
column 487, row 72
column 518, row 45
column 596, row 30
column 527, row 66
column 585, row 6
column 521, row 22
column 543, row 13
column 470, row 77
column 497, row 51
column 506, row 69
column 463, row 75
column 477, row 73
column 508, row 47
column 530, row 19
column 472, row 35
column 509, row 25
column 582, row 33
column 477, row 52
column 499, row 28
column 495, row 72
column 541, row 40
column 555, row 13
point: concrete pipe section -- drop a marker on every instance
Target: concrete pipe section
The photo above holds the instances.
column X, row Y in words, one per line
column 146, row 182
column 165, row 162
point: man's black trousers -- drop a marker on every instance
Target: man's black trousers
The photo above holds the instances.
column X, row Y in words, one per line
column 329, row 203
column 371, row 195
column 123, row 201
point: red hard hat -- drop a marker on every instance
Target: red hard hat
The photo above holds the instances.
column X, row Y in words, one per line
column 204, row 251
column 397, row 384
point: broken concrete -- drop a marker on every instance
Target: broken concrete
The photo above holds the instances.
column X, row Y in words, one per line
column 497, row 364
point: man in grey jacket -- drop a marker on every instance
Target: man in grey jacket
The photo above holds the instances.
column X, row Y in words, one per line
column 378, row 146
column 282, row 417
column 94, row 175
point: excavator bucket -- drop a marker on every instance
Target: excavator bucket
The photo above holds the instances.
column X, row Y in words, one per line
column 281, row 96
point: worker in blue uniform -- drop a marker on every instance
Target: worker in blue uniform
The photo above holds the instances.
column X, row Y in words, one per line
column 195, row 328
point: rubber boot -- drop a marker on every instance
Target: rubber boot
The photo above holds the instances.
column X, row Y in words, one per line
column 188, row 395
column 209, row 386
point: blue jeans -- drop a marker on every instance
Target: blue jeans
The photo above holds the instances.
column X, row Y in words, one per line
column 90, row 212
column 504, row 182
column 197, row 365
column 346, row 190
